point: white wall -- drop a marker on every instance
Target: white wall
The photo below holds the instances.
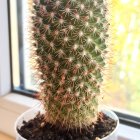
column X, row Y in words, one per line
column 5, row 82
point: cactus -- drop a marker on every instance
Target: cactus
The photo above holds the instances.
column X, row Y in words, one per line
column 70, row 43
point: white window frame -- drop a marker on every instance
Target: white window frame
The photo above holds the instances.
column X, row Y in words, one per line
column 5, row 78
column 11, row 104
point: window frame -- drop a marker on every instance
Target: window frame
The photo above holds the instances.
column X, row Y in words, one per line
column 21, row 89
column 125, row 118
column 128, row 119
column 5, row 64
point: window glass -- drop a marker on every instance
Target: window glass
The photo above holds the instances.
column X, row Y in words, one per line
column 123, row 90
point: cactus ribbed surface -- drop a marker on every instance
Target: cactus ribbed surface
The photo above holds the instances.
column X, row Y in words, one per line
column 70, row 41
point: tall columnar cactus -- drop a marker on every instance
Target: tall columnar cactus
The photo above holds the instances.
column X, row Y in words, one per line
column 70, row 43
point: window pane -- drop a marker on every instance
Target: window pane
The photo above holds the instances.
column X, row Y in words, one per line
column 22, row 75
column 124, row 87
column 14, row 43
column 29, row 80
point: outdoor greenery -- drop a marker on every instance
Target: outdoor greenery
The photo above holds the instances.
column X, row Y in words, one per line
column 124, row 89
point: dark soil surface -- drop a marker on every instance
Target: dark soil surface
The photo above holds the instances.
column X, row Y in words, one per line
column 36, row 129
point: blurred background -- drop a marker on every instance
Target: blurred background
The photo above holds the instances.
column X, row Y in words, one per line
column 123, row 90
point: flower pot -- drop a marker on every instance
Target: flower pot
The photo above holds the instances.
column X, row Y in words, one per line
column 31, row 113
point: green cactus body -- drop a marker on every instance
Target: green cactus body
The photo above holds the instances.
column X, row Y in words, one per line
column 70, row 45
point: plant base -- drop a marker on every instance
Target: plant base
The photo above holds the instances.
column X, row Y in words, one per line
column 36, row 129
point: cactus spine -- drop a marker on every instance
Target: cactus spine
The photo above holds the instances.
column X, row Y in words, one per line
column 70, row 43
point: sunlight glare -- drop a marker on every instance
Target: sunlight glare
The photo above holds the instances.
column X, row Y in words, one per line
column 124, row 1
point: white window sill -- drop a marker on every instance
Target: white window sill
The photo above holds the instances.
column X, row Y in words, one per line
column 12, row 105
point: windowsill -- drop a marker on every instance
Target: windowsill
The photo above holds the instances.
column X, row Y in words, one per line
column 5, row 137
column 12, row 105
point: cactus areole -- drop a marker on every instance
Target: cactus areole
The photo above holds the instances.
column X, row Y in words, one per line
column 70, row 44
